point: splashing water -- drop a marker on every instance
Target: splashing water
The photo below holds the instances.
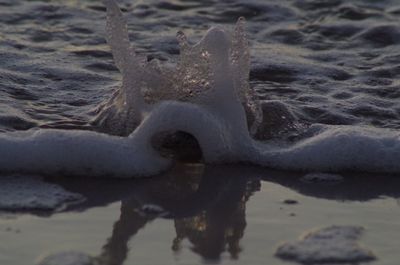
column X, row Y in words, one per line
column 206, row 95
column 214, row 71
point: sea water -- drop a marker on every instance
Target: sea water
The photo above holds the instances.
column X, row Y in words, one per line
column 206, row 95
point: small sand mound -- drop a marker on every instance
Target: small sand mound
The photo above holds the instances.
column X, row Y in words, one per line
column 330, row 245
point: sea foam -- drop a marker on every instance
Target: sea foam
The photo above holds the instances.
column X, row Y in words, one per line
column 207, row 95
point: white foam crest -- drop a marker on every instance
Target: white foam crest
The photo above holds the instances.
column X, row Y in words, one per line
column 337, row 149
column 330, row 149
column 83, row 153
column 218, row 137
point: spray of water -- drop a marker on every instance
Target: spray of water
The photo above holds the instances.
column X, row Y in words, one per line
column 213, row 72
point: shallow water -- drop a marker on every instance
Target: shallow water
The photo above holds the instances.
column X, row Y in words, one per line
column 333, row 62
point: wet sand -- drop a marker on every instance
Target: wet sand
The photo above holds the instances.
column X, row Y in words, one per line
column 199, row 215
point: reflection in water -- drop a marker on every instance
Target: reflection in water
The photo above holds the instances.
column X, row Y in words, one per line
column 115, row 251
column 219, row 227
column 206, row 204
